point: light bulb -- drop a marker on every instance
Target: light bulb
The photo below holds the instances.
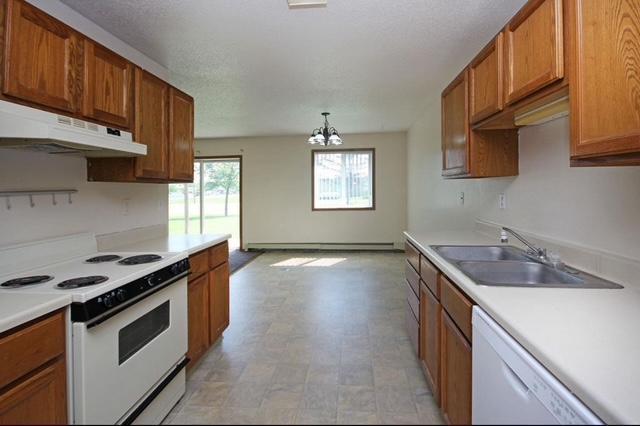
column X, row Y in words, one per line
column 319, row 138
column 334, row 139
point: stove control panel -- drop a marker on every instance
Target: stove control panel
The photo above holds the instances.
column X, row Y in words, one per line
column 115, row 300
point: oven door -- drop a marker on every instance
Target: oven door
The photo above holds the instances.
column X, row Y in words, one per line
column 120, row 360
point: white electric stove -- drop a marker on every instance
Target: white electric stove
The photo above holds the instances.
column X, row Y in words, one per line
column 128, row 324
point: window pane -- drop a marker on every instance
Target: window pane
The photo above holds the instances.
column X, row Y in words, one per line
column 222, row 199
column 343, row 179
column 184, row 205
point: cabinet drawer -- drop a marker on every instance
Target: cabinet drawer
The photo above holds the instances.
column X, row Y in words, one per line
column 413, row 301
column 413, row 329
column 429, row 275
column 199, row 263
column 413, row 255
column 218, row 254
column 457, row 305
column 412, row 277
column 27, row 349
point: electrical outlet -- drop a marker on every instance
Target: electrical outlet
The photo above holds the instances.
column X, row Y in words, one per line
column 125, row 206
column 502, row 201
column 461, row 199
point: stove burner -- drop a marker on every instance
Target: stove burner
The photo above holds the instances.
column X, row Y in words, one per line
column 140, row 259
column 104, row 258
column 25, row 281
column 82, row 282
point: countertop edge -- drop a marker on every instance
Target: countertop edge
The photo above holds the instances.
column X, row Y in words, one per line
column 453, row 273
column 38, row 310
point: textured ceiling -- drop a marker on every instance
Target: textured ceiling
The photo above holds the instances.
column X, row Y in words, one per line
column 256, row 67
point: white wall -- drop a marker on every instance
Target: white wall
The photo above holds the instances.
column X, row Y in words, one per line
column 277, row 191
column 98, row 207
column 593, row 207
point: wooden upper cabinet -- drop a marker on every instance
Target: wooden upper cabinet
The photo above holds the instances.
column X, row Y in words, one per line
column 455, row 127
column 181, row 136
column 108, row 86
column 43, row 59
column 534, row 48
column 485, row 81
column 604, row 87
column 152, row 124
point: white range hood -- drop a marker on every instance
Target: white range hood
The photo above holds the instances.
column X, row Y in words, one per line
column 22, row 127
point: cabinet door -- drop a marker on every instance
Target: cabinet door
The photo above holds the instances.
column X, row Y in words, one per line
column 108, row 86
column 455, row 127
column 485, row 81
column 43, row 59
column 218, row 300
column 430, row 338
column 534, row 48
column 39, row 399
column 180, row 136
column 198, row 308
column 152, row 125
column 605, row 89
column 455, row 373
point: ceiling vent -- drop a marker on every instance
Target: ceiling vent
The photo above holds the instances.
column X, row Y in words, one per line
column 293, row 4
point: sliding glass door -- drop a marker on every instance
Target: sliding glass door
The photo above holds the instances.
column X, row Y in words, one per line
column 211, row 204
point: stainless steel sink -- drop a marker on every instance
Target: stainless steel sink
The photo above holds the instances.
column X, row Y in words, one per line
column 508, row 266
column 459, row 253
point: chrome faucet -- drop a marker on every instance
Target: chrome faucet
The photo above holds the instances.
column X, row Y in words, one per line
column 540, row 253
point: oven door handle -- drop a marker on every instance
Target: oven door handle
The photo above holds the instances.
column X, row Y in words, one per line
column 116, row 310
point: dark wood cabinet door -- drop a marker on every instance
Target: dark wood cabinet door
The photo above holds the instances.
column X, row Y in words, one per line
column 455, row 127
column 198, row 306
column 605, row 89
column 218, row 300
column 43, row 59
column 430, row 338
column 41, row 398
column 180, row 136
column 534, row 46
column 485, row 81
column 152, row 125
column 108, row 86
column 455, row 373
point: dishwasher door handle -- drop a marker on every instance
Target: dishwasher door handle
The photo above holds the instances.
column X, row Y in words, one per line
column 516, row 382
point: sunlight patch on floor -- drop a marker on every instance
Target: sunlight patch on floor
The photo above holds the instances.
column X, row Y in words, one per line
column 310, row 261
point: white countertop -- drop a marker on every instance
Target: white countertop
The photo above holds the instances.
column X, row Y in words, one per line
column 176, row 243
column 587, row 338
column 19, row 308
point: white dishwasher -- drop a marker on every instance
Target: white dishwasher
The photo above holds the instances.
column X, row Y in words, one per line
column 512, row 387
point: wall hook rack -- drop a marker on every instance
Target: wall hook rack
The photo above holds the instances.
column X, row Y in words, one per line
column 53, row 192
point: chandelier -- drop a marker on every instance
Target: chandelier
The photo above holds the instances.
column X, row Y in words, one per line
column 325, row 135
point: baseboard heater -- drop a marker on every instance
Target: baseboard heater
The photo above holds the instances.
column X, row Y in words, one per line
column 324, row 246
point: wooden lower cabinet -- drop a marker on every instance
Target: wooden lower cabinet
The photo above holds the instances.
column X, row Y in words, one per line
column 219, row 300
column 41, row 398
column 198, row 307
column 430, row 339
column 208, row 300
column 455, row 373
column 33, row 378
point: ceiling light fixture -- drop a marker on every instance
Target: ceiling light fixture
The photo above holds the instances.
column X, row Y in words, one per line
column 325, row 135
column 307, row 3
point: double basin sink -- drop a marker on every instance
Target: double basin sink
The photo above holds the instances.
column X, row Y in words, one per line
column 509, row 266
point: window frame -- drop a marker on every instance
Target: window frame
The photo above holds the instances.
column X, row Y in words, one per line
column 372, row 151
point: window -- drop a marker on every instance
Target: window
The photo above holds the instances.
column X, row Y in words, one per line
column 211, row 204
column 343, row 180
